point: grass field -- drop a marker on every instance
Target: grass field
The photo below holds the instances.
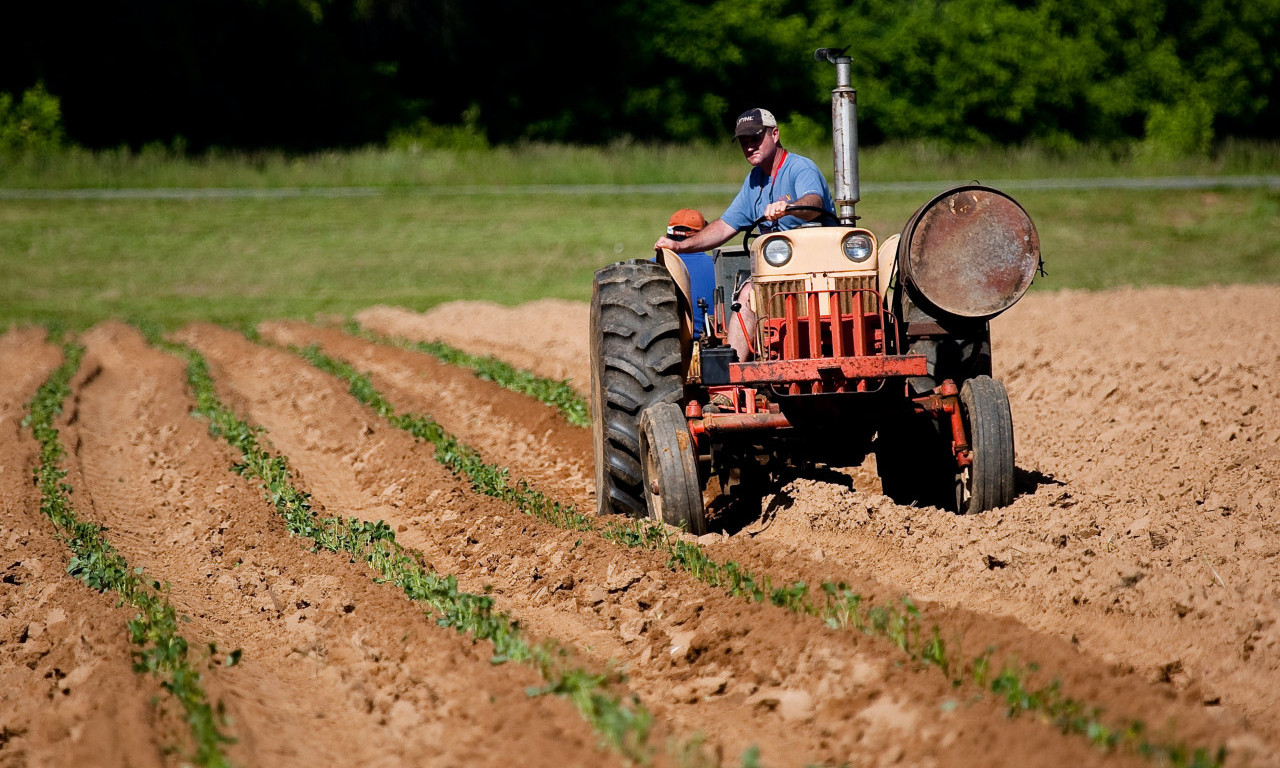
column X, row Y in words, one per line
column 414, row 244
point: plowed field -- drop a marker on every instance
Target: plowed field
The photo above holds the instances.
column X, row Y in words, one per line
column 1136, row 577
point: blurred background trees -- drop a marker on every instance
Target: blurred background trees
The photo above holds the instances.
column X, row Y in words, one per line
column 302, row 75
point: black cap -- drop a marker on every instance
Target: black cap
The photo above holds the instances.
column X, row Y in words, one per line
column 753, row 121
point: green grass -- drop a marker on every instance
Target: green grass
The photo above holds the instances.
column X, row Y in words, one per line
column 75, row 262
column 622, row 163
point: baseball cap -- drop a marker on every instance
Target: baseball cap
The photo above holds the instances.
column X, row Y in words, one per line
column 753, row 121
column 685, row 222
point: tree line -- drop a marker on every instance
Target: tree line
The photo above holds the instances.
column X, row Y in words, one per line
column 311, row 74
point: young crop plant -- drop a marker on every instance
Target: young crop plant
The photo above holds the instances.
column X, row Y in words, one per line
column 164, row 653
column 838, row 606
column 557, row 394
column 623, row 725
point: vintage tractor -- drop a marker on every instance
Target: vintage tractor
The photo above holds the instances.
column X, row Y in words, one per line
column 858, row 346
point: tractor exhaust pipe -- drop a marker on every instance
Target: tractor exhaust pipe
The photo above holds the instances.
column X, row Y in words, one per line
column 844, row 134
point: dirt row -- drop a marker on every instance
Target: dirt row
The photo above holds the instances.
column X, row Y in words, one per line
column 490, row 419
column 68, row 694
column 337, row 668
column 1145, row 536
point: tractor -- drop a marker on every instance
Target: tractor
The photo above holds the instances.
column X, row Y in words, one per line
column 859, row 346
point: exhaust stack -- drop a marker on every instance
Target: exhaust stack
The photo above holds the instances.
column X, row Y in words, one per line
column 844, row 134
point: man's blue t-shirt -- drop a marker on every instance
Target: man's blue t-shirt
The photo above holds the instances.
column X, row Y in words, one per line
column 798, row 176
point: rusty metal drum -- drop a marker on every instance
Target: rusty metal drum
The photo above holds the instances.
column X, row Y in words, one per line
column 970, row 252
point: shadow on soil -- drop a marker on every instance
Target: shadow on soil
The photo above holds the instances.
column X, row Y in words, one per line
column 1027, row 481
column 751, row 508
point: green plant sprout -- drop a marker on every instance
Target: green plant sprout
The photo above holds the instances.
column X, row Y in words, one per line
column 557, row 394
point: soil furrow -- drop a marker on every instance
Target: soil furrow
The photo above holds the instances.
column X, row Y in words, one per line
column 68, row 693
column 534, row 441
column 1157, row 577
column 813, row 560
column 335, row 669
column 736, row 656
column 548, row 337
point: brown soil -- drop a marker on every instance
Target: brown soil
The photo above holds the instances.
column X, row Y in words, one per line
column 1137, row 566
column 68, row 695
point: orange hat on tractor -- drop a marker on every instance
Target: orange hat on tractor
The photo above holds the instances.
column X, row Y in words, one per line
column 685, row 222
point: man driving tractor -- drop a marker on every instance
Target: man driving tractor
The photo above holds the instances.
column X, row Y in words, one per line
column 860, row 346
column 778, row 179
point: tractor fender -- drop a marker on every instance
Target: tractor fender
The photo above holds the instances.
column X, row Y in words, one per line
column 887, row 264
column 684, row 293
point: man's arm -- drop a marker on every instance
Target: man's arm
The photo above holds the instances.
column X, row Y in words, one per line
column 713, row 235
column 777, row 210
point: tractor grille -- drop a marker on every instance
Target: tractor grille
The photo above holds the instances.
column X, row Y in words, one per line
column 852, row 329
column 770, row 297
column 857, row 282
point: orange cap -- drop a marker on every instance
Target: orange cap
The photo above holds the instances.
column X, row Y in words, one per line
column 685, row 222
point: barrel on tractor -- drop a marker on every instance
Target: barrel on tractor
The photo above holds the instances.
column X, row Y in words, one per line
column 858, row 346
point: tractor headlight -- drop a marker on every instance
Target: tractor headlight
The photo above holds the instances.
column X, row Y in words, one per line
column 777, row 252
column 857, row 247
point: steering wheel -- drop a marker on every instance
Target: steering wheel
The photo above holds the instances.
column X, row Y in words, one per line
column 750, row 233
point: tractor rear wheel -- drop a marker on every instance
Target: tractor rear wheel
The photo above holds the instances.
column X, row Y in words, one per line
column 987, row 483
column 672, row 489
column 635, row 364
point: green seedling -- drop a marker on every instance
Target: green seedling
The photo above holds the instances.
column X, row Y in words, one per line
column 557, row 394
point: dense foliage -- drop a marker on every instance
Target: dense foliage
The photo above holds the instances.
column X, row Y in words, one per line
column 304, row 74
column 31, row 122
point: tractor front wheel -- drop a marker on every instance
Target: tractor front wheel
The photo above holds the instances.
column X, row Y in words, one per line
column 987, row 483
column 672, row 489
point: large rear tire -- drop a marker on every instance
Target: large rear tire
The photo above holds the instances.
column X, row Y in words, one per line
column 672, row 489
column 987, row 483
column 635, row 364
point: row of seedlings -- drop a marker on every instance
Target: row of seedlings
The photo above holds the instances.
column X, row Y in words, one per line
column 623, row 724
column 836, row 605
column 164, row 653
column 551, row 392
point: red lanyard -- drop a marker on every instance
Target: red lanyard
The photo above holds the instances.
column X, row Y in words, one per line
column 774, row 176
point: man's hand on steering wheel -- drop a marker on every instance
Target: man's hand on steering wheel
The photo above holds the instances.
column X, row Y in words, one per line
column 749, row 232
column 776, row 210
